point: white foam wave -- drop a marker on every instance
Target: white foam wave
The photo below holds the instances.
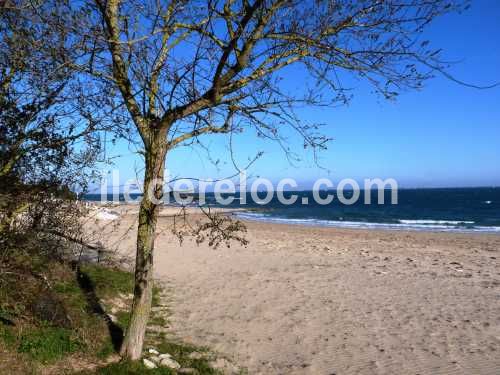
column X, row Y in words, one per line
column 438, row 225
column 439, row 222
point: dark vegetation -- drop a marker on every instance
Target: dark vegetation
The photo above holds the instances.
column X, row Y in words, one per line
column 54, row 318
column 47, row 318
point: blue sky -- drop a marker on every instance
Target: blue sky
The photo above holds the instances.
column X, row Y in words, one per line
column 444, row 135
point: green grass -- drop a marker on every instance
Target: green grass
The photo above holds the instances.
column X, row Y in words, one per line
column 88, row 323
column 123, row 318
column 105, row 350
column 7, row 336
column 67, row 288
column 109, row 282
column 130, row 368
column 37, row 344
column 180, row 352
column 49, row 344
column 73, row 297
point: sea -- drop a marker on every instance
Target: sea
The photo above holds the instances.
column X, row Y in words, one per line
column 436, row 209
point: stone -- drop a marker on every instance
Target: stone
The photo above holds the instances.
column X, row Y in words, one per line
column 149, row 364
column 153, row 351
column 155, row 359
column 170, row 363
column 165, row 355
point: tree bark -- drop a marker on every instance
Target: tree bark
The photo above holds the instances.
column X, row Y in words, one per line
column 156, row 150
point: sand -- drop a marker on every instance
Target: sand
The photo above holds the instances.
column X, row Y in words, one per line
column 310, row 300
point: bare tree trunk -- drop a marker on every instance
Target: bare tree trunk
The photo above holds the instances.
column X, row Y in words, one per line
column 148, row 214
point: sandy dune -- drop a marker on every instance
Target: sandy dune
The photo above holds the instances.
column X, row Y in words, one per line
column 304, row 300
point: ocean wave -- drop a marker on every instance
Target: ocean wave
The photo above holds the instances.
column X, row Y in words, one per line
column 432, row 222
column 437, row 225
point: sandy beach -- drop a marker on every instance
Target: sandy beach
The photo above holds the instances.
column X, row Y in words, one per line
column 312, row 300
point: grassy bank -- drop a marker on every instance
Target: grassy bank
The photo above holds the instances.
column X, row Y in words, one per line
column 62, row 319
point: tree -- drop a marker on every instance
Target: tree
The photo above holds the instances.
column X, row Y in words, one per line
column 47, row 133
column 187, row 68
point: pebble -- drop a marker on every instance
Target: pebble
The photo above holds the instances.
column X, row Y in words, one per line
column 169, row 362
column 148, row 364
column 155, row 359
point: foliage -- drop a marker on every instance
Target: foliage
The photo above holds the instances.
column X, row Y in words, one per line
column 42, row 116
